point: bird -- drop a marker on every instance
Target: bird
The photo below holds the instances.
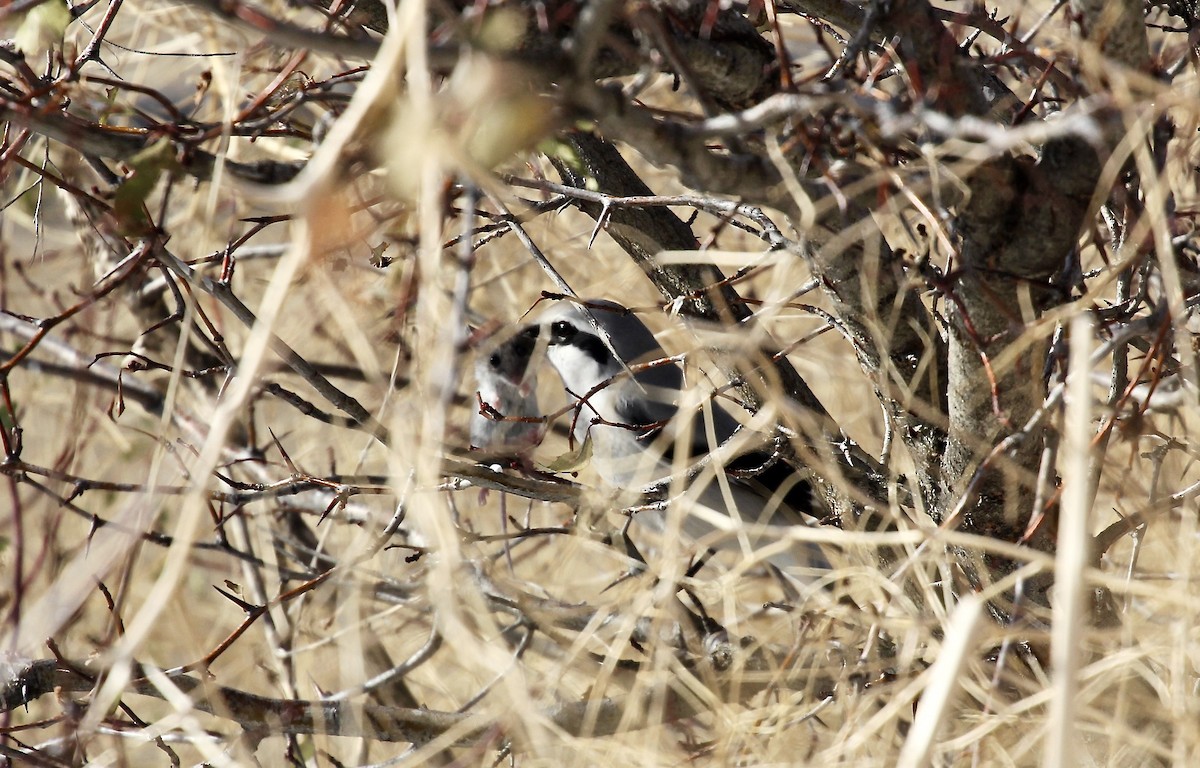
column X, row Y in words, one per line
column 626, row 392
column 506, row 420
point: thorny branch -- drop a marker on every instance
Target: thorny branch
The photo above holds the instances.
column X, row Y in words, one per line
column 929, row 179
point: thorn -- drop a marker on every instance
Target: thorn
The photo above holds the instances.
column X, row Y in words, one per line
column 240, row 603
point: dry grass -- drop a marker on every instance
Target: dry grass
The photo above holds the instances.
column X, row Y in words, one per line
column 880, row 668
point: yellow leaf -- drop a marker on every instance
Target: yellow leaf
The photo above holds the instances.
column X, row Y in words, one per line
column 572, row 461
column 42, row 28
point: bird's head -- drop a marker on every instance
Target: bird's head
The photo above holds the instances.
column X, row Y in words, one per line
column 594, row 359
column 588, row 354
column 507, row 363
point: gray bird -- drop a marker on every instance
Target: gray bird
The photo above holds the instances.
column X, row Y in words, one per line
column 627, row 402
column 505, row 417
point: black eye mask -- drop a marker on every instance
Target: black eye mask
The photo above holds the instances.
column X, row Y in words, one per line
column 562, row 332
column 511, row 359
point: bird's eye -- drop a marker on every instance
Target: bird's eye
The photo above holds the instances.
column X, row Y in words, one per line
column 494, row 360
column 562, row 331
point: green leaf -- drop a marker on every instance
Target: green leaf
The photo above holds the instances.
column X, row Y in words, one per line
column 129, row 203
